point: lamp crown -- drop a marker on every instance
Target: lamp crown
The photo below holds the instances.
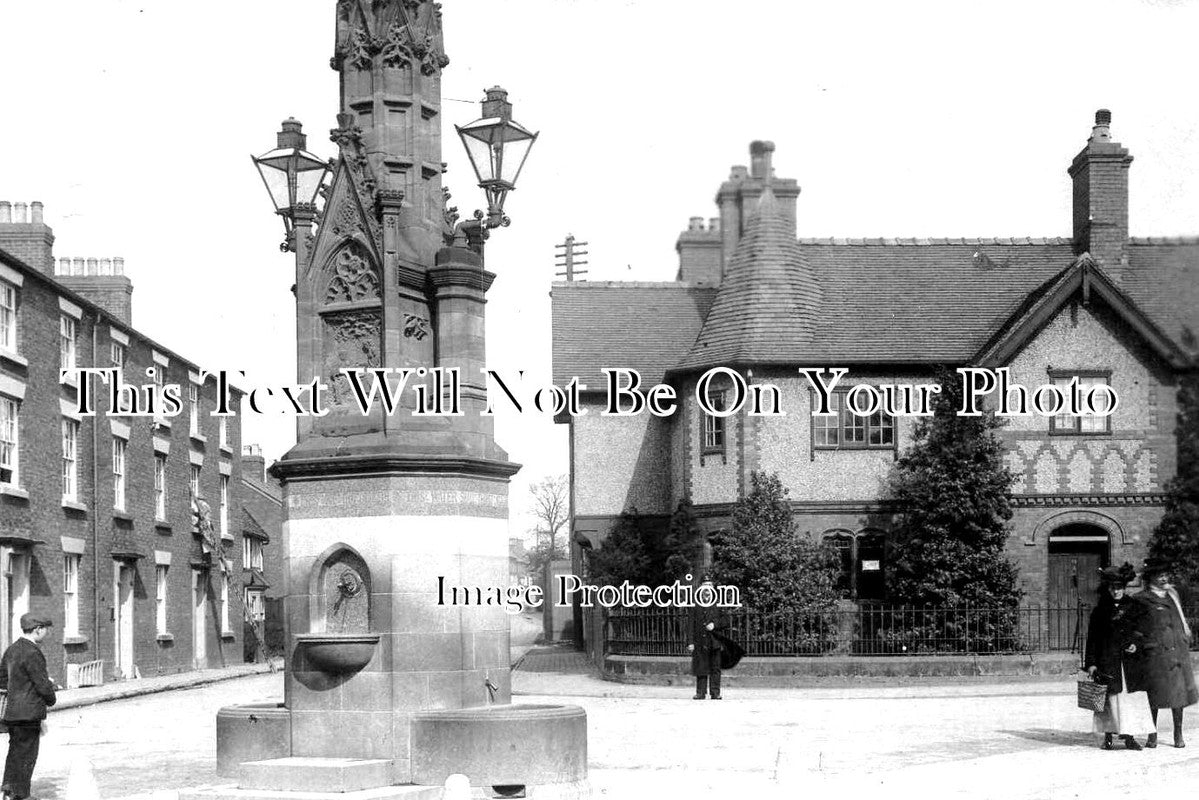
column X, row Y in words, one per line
column 496, row 104
column 291, row 135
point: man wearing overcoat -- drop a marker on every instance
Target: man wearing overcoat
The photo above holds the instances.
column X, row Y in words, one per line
column 705, row 647
column 30, row 691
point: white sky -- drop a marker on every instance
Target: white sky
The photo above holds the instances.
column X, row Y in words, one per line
column 134, row 122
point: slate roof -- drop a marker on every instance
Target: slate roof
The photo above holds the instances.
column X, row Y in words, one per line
column 250, row 525
column 639, row 325
column 883, row 301
column 769, row 306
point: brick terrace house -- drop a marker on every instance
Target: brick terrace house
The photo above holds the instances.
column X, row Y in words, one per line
column 262, row 516
column 1097, row 305
column 96, row 512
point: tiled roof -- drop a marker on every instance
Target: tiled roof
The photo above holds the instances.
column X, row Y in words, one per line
column 643, row 326
column 250, row 525
column 769, row 305
column 906, row 301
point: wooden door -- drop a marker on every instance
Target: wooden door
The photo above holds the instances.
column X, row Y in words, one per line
column 1073, row 585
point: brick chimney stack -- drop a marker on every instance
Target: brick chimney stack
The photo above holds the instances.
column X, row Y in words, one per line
column 101, row 280
column 739, row 195
column 1100, row 175
column 24, row 234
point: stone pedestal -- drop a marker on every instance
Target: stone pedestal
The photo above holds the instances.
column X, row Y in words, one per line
column 384, row 554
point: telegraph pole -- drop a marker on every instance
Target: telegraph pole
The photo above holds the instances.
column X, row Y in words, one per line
column 568, row 259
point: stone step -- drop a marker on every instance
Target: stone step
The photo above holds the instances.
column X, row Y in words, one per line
column 312, row 774
column 231, row 792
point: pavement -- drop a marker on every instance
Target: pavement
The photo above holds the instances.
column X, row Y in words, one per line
column 981, row 738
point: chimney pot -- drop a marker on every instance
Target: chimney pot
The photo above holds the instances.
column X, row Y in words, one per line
column 64, row 266
column 1103, row 117
column 35, row 212
column 760, row 153
column 738, row 173
column 118, row 266
column 696, row 224
column 77, row 266
column 19, row 215
column 93, row 266
column 714, row 224
column 106, row 266
column 5, row 212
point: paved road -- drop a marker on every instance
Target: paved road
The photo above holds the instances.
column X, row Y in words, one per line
column 991, row 740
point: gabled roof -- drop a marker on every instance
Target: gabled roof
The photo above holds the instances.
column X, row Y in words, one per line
column 768, row 307
column 1044, row 302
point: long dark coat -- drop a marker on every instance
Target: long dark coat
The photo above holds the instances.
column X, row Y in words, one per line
column 1115, row 624
column 23, row 675
column 705, row 658
column 1164, row 669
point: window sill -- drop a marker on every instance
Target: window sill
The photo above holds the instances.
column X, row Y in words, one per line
column 120, row 513
column 76, row 639
column 198, row 437
column 73, row 505
column 228, row 636
column 13, row 491
column 165, row 637
column 226, row 449
column 9, row 355
column 1079, row 433
column 69, row 376
column 162, row 422
column 162, row 526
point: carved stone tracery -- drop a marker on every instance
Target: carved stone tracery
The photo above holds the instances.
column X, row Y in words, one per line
column 354, row 278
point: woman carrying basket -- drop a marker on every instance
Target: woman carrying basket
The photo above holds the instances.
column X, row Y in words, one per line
column 1113, row 648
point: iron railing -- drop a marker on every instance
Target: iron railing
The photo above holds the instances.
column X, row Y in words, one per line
column 868, row 630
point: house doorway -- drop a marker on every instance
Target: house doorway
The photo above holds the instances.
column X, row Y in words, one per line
column 123, row 614
column 1076, row 554
column 199, row 619
column 15, row 594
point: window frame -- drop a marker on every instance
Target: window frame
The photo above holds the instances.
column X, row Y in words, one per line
column 223, row 507
column 70, row 460
column 714, row 430
column 120, row 465
column 68, row 342
column 1056, row 427
column 867, row 425
column 160, row 486
column 10, row 440
column 8, row 316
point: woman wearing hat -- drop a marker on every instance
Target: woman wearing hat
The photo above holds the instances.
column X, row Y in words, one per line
column 1110, row 658
column 1166, row 663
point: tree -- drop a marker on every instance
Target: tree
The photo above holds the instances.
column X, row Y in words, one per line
column 775, row 568
column 625, row 555
column 1176, row 538
column 952, row 491
column 550, row 506
column 680, row 550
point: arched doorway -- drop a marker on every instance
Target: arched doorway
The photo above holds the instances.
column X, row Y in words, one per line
column 1077, row 551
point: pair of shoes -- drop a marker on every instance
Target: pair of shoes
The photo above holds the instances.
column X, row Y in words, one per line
column 698, row 697
column 1131, row 743
column 1151, row 742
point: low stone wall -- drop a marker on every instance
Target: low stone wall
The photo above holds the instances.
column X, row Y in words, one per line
column 752, row 671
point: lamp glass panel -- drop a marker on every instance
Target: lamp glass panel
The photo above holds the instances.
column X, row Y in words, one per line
column 479, row 150
column 275, row 179
column 515, row 153
column 308, row 183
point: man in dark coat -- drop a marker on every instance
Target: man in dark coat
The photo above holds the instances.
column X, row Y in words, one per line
column 30, row 690
column 1165, row 666
column 705, row 648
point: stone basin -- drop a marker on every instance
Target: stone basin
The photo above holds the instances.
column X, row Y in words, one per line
column 501, row 745
column 338, row 653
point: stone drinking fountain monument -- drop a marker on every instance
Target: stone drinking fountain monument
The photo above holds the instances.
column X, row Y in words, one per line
column 387, row 692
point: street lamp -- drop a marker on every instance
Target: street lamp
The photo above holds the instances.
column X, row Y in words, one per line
column 293, row 176
column 497, row 147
